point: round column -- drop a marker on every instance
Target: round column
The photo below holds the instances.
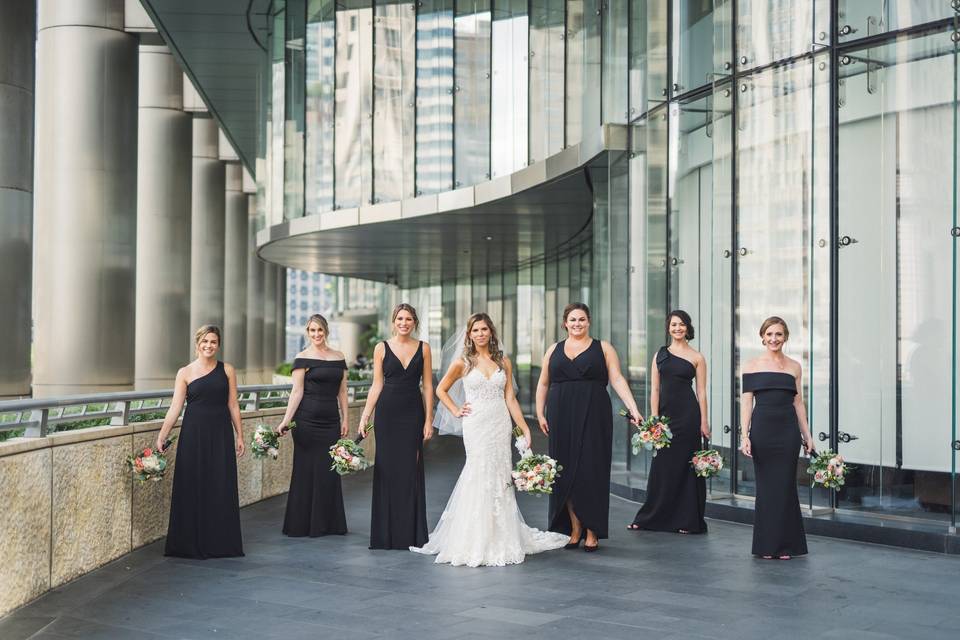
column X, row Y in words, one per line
column 255, row 278
column 85, row 198
column 208, row 225
column 17, row 40
column 281, row 312
column 163, row 336
column 235, row 269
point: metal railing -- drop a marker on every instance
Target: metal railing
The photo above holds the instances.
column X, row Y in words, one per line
column 42, row 416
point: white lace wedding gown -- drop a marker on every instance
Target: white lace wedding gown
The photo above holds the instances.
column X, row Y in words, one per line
column 481, row 524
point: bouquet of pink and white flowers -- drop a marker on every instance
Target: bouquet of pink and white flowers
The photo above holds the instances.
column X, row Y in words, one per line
column 652, row 434
column 348, row 456
column 828, row 470
column 534, row 473
column 265, row 442
column 707, row 463
column 151, row 464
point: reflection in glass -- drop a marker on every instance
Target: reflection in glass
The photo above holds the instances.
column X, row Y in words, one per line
column 295, row 68
column 353, row 107
column 693, row 44
column 769, row 30
column 547, row 39
column 648, row 55
column 508, row 88
column 616, row 43
column 394, row 68
column 471, row 94
column 584, row 71
column 320, row 53
column 864, row 18
column 434, row 170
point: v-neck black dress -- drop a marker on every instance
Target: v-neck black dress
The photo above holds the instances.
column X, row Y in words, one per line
column 398, row 518
column 315, row 499
column 676, row 497
column 775, row 443
column 580, row 416
column 205, row 506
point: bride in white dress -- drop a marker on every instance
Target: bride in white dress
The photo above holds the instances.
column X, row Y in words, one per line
column 481, row 524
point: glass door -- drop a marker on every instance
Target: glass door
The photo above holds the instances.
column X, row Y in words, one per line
column 896, row 277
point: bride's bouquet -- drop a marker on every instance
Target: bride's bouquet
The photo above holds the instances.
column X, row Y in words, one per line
column 348, row 456
column 534, row 473
column 652, row 434
column 151, row 464
column 829, row 470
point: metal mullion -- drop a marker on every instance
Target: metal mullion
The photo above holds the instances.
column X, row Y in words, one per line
column 834, row 349
column 734, row 264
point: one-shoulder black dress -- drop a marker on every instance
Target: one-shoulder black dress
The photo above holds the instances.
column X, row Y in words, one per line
column 398, row 518
column 315, row 500
column 580, row 416
column 676, row 497
column 205, row 505
column 775, row 443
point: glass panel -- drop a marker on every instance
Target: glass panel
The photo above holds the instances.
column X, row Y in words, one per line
column 547, row 40
column 770, row 30
column 616, row 42
column 354, row 106
column 700, row 248
column 648, row 254
column 471, row 98
column 295, row 68
column 693, row 50
column 508, row 121
column 776, row 156
column 277, row 148
column 583, row 91
column 648, row 55
column 394, row 63
column 321, row 52
column 896, row 207
column 434, row 97
column 862, row 18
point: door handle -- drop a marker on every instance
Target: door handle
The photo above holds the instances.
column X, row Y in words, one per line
column 726, row 429
column 846, row 437
column 822, row 436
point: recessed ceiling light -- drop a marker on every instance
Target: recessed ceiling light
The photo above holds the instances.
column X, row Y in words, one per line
column 489, row 237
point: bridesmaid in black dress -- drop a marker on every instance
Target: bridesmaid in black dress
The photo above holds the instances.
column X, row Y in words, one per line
column 574, row 411
column 676, row 497
column 403, row 422
column 773, row 419
column 318, row 405
column 205, row 506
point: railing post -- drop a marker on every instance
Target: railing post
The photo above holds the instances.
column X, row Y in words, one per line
column 124, row 417
column 40, row 419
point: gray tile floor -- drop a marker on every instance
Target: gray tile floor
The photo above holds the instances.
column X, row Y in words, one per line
column 639, row 585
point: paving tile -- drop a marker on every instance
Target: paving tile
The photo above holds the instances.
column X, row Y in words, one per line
column 639, row 585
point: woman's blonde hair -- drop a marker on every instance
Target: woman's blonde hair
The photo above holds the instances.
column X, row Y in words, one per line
column 470, row 350
column 772, row 320
column 320, row 320
column 204, row 330
column 404, row 306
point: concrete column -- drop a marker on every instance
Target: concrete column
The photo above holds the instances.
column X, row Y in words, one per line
column 85, row 198
column 18, row 30
column 255, row 278
column 208, row 232
column 235, row 269
column 164, row 140
column 270, row 360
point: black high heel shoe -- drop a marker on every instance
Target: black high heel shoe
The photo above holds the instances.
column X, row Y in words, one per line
column 574, row 545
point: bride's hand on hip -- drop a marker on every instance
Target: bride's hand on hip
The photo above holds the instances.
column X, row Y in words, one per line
column 464, row 411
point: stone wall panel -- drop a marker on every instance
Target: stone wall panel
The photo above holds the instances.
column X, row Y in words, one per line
column 91, row 506
column 151, row 500
column 249, row 469
column 25, row 533
column 276, row 473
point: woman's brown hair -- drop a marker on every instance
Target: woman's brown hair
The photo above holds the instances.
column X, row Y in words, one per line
column 470, row 350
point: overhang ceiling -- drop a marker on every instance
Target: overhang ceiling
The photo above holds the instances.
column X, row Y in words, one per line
column 221, row 46
column 486, row 238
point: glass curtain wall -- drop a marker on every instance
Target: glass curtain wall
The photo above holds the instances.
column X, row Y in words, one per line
column 782, row 160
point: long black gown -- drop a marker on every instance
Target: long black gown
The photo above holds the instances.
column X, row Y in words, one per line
column 398, row 518
column 580, row 416
column 676, row 497
column 205, row 506
column 315, row 500
column 775, row 444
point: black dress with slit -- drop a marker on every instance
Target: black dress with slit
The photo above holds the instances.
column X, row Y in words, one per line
column 775, row 443
column 580, row 416
column 398, row 518
column 315, row 499
column 205, row 505
column 676, row 497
